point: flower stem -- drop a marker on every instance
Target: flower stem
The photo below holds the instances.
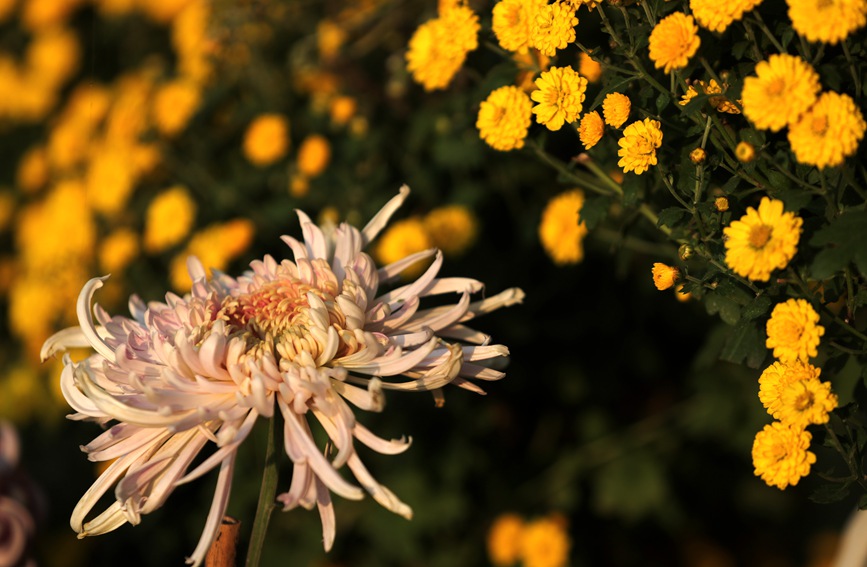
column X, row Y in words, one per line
column 853, row 467
column 266, row 501
column 852, row 70
column 767, row 32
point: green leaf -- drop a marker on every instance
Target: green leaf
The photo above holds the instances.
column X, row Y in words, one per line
column 756, row 308
column 842, row 243
column 594, row 210
column 669, row 217
column 793, row 199
column 728, row 309
column 662, row 101
column 745, row 344
column 828, row 493
column 845, row 380
column 633, row 189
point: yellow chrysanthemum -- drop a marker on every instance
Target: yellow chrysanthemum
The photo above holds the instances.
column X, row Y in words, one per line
column 504, row 118
column 763, row 240
column 117, row 250
column 828, row 132
column 341, row 109
column 664, row 275
column 638, row 146
column 784, row 87
column 545, row 543
column 53, row 56
column 561, row 231
column 721, row 204
column 438, row 48
column 553, row 27
column 168, row 219
column 452, row 228
column 266, row 139
column 807, row 402
column 560, row 96
column 314, row 153
column 690, row 94
column 174, row 103
column 512, row 21
column 793, row 331
column 780, row 454
column 588, row 68
column 828, row 21
column 717, row 16
column 616, row 108
column 400, row 240
column 745, row 152
column 719, row 103
column 504, row 540
column 673, row 41
column 590, row 129
column 32, row 173
column 776, row 378
column 110, row 178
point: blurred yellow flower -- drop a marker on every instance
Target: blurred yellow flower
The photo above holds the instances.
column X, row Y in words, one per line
column 719, row 103
column 401, row 239
column 32, row 174
column 664, row 276
column 673, row 41
column 638, row 146
column 545, row 543
column 330, row 37
column 192, row 41
column 342, row 109
column 215, row 246
column 697, row 156
column 745, row 152
column 314, row 153
column 590, row 129
column 783, row 88
column 438, row 48
column 616, row 108
column 7, row 208
column 504, row 118
column 53, row 56
column 780, row 455
column 763, row 240
column 168, row 219
column 828, row 132
column 452, row 229
column 553, row 27
column 162, row 11
column 589, row 68
column 41, row 14
column 299, row 186
column 828, row 21
column 512, row 22
column 560, row 97
column 174, row 103
column 117, row 250
column 266, row 139
column 504, row 540
column 110, row 179
column 7, row 7
column 717, row 16
column 793, row 331
column 561, row 232
column 721, row 204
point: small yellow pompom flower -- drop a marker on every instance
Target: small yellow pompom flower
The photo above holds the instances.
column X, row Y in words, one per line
column 110, row 179
column 588, row 68
column 561, row 231
column 342, row 109
column 673, row 41
column 806, row 402
column 793, row 331
column 401, row 239
column 616, row 108
column 173, row 105
column 717, row 16
column 664, row 275
column 553, row 27
column 745, row 152
column 168, row 219
column 504, row 540
column 504, row 118
column 545, row 543
column 117, row 250
column 828, row 21
column 784, row 87
column 777, row 377
column 438, row 48
column 697, row 156
column 512, row 22
column 590, row 129
column 452, row 229
column 828, row 132
column 314, row 153
column 721, row 204
column 763, row 240
column 780, row 454
column 266, row 139
column 560, row 97
column 638, row 146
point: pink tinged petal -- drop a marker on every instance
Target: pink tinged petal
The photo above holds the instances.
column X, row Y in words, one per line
column 213, row 351
column 196, row 269
column 301, row 448
column 381, row 494
column 394, row 362
column 119, row 440
column 229, row 447
column 137, row 308
column 380, row 445
column 85, row 318
column 470, row 354
column 452, row 285
column 10, row 448
column 370, row 399
column 73, row 396
column 436, row 377
column 352, row 312
column 17, row 528
column 215, row 515
column 467, row 385
column 261, row 398
column 412, row 339
column 347, row 246
column 302, row 483
column 131, row 486
column 299, row 251
column 380, row 219
column 505, row 298
column 71, row 337
column 480, row 372
column 109, row 520
column 439, row 317
column 389, row 273
column 464, row 333
column 398, row 317
column 418, row 286
column 326, row 513
column 317, row 244
column 183, row 449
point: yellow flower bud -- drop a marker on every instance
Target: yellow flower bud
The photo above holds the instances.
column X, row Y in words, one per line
column 697, row 156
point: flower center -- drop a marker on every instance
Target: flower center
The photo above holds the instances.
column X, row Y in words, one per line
column 776, row 86
column 759, row 235
column 819, row 124
column 803, row 401
column 790, row 333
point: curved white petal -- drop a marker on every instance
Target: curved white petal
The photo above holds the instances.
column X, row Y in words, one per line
column 85, row 318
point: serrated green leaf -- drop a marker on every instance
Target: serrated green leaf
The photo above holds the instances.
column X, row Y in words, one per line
column 756, row 308
column 842, row 243
column 828, row 493
column 594, row 210
column 662, row 101
column 744, row 345
column 669, row 217
column 633, row 189
column 728, row 309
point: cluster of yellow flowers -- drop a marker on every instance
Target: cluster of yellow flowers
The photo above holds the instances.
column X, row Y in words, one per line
column 541, row 542
column 792, row 393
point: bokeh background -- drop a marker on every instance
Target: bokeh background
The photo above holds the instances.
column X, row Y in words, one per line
column 125, row 145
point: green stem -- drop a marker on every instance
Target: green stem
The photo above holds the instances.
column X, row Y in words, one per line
column 266, row 501
column 761, row 23
column 853, row 468
column 586, row 181
column 852, row 69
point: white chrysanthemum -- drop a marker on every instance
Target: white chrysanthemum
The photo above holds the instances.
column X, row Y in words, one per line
column 305, row 337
